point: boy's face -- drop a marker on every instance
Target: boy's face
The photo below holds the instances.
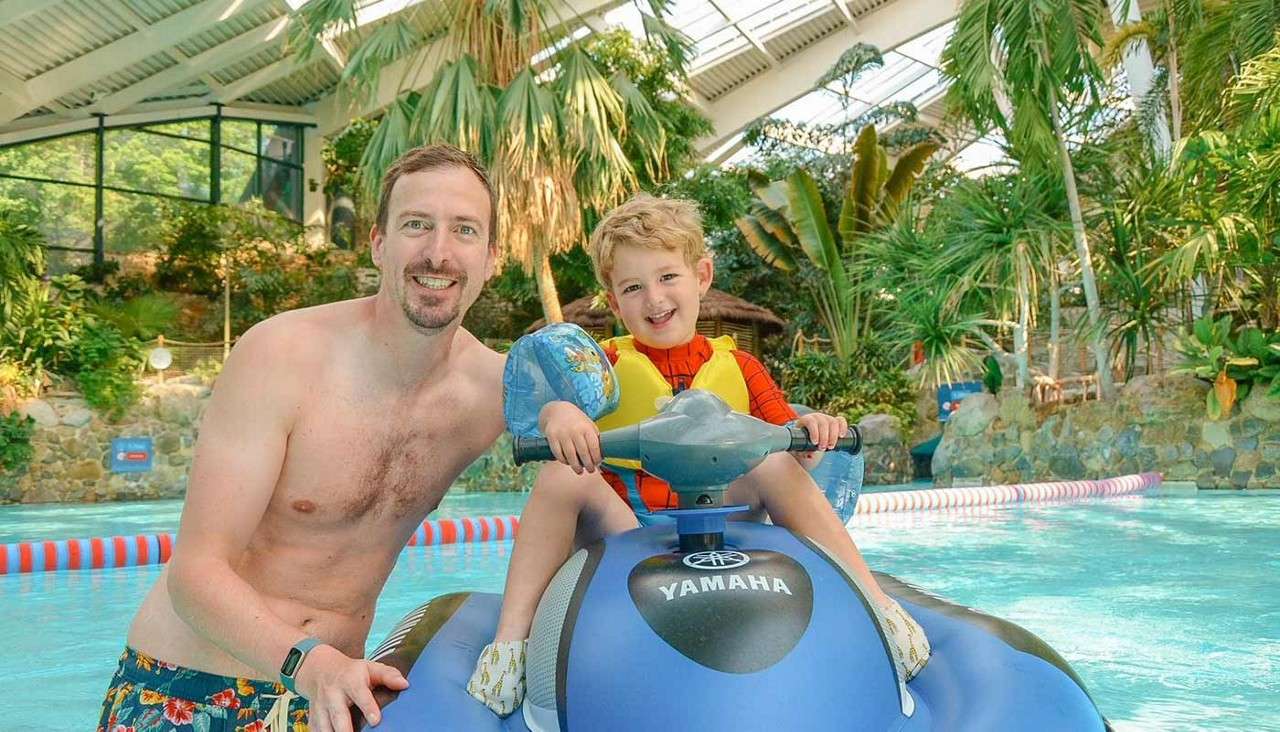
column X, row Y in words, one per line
column 656, row 294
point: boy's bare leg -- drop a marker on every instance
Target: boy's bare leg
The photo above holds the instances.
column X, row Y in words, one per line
column 565, row 511
column 782, row 487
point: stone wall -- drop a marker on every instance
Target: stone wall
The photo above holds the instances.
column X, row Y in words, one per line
column 1155, row 424
column 884, row 450
column 72, row 445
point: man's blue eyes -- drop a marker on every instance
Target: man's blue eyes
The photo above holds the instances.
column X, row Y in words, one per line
column 420, row 225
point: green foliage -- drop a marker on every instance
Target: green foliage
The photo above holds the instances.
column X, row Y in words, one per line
column 106, row 364
column 992, row 376
column 791, row 217
column 15, row 442
column 207, row 370
column 1234, row 361
column 143, row 317
column 21, row 255
column 54, row 331
column 869, row 382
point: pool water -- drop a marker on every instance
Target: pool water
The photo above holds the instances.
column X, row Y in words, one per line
column 1166, row 605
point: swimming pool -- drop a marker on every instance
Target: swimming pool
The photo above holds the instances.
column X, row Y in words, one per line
column 1166, row 604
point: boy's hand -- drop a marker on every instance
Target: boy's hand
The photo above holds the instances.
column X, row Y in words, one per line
column 574, row 439
column 823, row 429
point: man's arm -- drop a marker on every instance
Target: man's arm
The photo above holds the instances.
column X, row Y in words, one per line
column 238, row 458
column 239, row 455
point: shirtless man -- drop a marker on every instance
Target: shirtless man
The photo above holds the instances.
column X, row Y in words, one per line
column 332, row 432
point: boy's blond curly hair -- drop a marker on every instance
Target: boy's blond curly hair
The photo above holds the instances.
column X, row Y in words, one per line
column 673, row 224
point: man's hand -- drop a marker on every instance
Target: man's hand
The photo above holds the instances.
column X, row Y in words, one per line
column 574, row 439
column 823, row 429
column 333, row 682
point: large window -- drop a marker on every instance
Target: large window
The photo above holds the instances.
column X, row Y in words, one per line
column 87, row 214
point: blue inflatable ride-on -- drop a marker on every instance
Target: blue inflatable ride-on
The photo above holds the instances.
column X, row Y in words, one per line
column 704, row 624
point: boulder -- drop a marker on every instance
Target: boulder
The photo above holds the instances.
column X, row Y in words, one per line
column 1260, row 406
column 41, row 411
column 880, row 429
column 976, row 413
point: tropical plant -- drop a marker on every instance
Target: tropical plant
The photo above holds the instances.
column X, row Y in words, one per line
column 997, row 236
column 1231, row 362
column 512, row 83
column 105, row 364
column 15, row 442
column 789, row 219
column 21, row 255
column 992, row 376
column 1020, row 66
column 870, row 382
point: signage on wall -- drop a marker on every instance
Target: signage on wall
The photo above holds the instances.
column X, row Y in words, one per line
column 131, row 454
column 950, row 396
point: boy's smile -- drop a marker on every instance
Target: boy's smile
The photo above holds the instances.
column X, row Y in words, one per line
column 657, row 294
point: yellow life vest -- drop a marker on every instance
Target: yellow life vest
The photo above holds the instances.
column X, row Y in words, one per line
column 642, row 385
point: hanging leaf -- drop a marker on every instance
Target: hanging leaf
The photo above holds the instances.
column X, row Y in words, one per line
column 772, row 250
column 1224, row 391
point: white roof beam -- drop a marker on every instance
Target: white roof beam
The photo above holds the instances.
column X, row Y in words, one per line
column 336, row 109
column 119, row 54
column 194, row 67
column 751, row 37
column 14, row 10
column 886, row 27
column 844, row 11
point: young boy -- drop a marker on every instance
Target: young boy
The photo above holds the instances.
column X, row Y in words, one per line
column 650, row 256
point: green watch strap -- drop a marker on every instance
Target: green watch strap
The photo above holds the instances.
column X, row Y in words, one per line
column 293, row 661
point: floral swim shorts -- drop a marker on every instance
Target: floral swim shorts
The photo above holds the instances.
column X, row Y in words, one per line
column 149, row 694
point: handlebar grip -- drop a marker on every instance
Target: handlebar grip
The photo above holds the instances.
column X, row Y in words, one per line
column 531, row 449
column 850, row 443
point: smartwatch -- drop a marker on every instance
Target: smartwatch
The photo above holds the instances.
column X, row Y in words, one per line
column 293, row 661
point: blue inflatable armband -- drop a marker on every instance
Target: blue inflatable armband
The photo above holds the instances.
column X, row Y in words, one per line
column 839, row 476
column 560, row 362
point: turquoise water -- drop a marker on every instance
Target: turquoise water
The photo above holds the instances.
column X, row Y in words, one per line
column 78, row 521
column 1166, row 605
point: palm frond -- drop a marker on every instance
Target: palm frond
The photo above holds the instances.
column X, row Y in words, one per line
column 772, row 250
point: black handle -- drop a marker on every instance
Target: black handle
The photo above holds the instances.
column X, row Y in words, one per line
column 850, row 443
column 531, row 449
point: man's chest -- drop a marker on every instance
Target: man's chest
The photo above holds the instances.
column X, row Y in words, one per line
column 346, row 461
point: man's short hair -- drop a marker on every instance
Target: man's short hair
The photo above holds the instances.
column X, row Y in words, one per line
column 430, row 157
column 672, row 224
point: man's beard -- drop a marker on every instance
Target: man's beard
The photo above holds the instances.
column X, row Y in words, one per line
column 426, row 315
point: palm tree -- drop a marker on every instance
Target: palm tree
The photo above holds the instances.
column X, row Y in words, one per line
column 1017, row 65
column 790, row 215
column 515, row 87
column 996, row 236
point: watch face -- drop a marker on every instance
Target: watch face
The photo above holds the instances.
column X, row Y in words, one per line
column 291, row 662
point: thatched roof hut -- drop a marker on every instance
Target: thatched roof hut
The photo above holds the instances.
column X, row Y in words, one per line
column 721, row 314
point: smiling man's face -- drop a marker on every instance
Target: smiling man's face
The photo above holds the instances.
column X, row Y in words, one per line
column 435, row 253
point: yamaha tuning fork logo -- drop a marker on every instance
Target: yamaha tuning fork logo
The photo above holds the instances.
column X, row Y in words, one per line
column 714, row 560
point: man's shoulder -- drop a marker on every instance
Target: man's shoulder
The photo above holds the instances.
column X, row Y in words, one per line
column 302, row 336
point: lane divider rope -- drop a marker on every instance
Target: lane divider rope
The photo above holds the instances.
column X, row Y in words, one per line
column 99, row 552
column 134, row 551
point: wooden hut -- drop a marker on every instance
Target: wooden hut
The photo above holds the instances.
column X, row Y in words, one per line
column 721, row 314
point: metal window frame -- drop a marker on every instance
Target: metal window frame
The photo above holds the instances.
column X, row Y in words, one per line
column 214, row 142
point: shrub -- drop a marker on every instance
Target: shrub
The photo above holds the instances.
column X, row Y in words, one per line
column 868, row 383
column 15, row 442
column 104, row 363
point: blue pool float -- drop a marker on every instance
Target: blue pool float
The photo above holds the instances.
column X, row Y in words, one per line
column 705, row 624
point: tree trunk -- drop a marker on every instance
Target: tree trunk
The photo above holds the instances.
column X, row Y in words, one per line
column 1082, row 251
column 546, row 287
column 1175, row 95
column 1020, row 333
column 1055, row 323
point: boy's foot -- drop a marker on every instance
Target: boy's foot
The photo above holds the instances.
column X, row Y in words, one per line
column 907, row 641
column 498, row 681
